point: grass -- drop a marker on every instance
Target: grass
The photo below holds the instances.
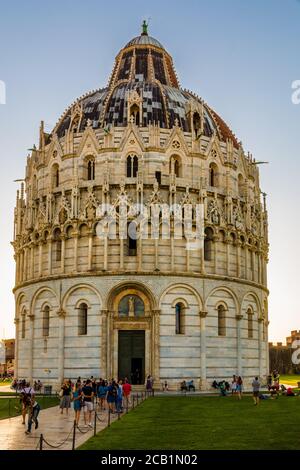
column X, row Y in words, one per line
column 5, row 383
column 290, row 380
column 204, row 423
column 10, row 407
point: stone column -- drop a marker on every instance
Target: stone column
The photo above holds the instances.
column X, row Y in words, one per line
column 227, row 256
column 76, row 236
column 260, row 343
column 246, row 261
column 140, row 252
column 239, row 345
column 172, row 250
column 50, row 256
column 40, row 258
column 109, row 344
column 215, row 245
column 156, row 263
column 17, row 323
column 203, row 383
column 253, row 264
column 238, row 259
column 104, row 315
column 156, row 346
column 30, row 349
column 258, row 268
column 61, row 345
column 121, row 254
column 105, row 254
column 90, row 252
column 31, row 275
column 63, row 252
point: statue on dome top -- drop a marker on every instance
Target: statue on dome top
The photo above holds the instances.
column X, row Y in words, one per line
column 145, row 28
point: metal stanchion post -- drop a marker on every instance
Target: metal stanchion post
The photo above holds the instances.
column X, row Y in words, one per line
column 108, row 424
column 74, row 435
column 132, row 401
column 137, row 398
column 41, row 442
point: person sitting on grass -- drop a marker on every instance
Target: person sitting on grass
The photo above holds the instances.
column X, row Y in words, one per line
column 191, row 386
column 183, row 386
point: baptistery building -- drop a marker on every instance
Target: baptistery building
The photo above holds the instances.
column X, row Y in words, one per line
column 94, row 297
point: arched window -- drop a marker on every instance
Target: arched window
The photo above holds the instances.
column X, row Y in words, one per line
column 131, row 306
column 250, row 323
column 55, row 176
column 91, row 170
column 131, row 240
column 175, row 167
column 135, row 114
column 23, row 326
column 132, row 166
column 213, row 172
column 82, row 319
column 46, row 320
column 221, row 320
column 196, row 124
column 179, row 319
column 208, row 244
column 57, row 244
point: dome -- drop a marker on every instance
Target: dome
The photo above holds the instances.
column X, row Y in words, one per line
column 144, row 40
column 145, row 68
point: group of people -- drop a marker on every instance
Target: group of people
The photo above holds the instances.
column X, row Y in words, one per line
column 84, row 394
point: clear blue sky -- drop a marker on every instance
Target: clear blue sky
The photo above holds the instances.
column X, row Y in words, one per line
column 240, row 56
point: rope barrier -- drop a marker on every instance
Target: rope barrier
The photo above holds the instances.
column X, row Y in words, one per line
column 39, row 445
column 57, row 446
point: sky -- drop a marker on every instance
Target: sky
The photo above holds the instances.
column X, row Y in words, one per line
column 240, row 56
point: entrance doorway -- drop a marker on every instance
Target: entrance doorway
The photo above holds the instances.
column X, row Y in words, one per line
column 131, row 355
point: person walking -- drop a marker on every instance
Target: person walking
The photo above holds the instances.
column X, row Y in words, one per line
column 149, row 383
column 65, row 401
column 87, row 393
column 27, row 393
column 33, row 412
column 256, row 387
column 77, row 401
column 239, row 387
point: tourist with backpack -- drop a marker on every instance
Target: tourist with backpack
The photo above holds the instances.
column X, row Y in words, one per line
column 27, row 393
column 111, row 396
column 33, row 412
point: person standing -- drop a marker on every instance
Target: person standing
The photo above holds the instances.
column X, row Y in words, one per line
column 65, row 401
column 33, row 412
column 239, row 387
column 233, row 385
column 87, row 393
column 77, row 401
column 120, row 397
column 149, row 383
column 111, row 396
column 101, row 394
column 126, row 393
column 256, row 387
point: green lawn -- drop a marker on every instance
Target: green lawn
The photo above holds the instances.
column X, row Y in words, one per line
column 198, row 423
column 290, row 379
column 10, row 407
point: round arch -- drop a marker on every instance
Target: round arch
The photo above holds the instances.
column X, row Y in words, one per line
column 72, row 289
column 185, row 286
column 229, row 291
column 120, row 290
column 256, row 299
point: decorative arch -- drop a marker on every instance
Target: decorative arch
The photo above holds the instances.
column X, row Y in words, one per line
column 229, row 291
column 72, row 289
column 120, row 290
column 21, row 302
column 255, row 299
column 185, row 286
column 37, row 294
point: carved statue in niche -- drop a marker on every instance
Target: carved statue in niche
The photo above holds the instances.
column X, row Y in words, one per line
column 131, row 306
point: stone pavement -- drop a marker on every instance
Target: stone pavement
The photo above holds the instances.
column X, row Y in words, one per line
column 54, row 426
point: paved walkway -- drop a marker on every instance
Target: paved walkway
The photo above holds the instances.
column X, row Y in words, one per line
column 54, row 426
